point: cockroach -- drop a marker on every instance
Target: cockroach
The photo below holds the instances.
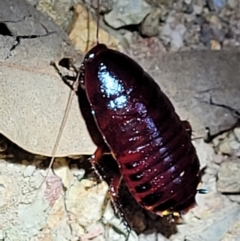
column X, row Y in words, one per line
column 152, row 146
column 139, row 125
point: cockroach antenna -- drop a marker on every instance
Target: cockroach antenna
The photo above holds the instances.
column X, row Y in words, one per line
column 98, row 21
column 73, row 90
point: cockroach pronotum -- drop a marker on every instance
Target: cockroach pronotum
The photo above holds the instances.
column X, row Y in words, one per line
column 139, row 125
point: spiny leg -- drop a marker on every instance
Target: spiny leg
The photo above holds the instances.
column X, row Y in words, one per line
column 188, row 128
column 94, row 160
column 114, row 193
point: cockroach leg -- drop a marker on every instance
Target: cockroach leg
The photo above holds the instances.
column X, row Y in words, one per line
column 94, row 159
column 114, row 190
column 65, row 79
column 114, row 187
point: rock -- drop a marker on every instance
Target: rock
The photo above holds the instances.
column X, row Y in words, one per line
column 228, row 177
column 110, row 219
column 205, row 152
column 173, row 32
column 218, row 3
column 188, row 1
column 235, row 198
column 197, row 9
column 233, row 233
column 236, row 132
column 79, row 173
column 211, row 220
column 59, row 11
column 95, row 232
column 150, row 25
column 235, row 145
column 33, row 217
column 160, row 3
column 127, row 13
column 215, row 45
column 232, row 3
column 225, row 148
column 29, row 170
column 8, row 192
column 230, row 145
column 63, row 172
column 152, row 236
column 84, row 201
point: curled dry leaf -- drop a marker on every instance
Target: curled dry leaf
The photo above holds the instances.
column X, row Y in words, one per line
column 84, row 29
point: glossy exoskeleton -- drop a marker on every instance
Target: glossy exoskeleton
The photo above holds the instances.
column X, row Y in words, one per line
column 151, row 145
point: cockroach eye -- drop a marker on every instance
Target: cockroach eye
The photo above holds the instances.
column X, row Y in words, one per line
column 91, row 56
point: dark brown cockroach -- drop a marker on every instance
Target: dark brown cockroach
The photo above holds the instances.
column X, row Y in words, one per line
column 139, row 125
column 150, row 143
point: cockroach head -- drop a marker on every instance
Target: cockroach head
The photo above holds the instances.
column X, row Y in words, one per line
column 94, row 52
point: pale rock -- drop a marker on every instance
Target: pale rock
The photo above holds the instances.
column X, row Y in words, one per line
column 111, row 220
column 150, row 25
column 234, row 145
column 77, row 230
column 85, row 201
column 233, row 233
column 218, row 159
column 127, row 12
column 228, row 177
column 197, row 9
column 188, row 2
column 215, row 45
column 205, row 152
column 118, row 236
column 174, row 32
column 78, row 173
column 36, row 180
column 65, row 174
column 219, row 3
column 236, row 132
column 9, row 191
column 2, row 235
column 33, row 217
column 215, row 21
column 94, row 232
column 234, row 198
column 225, row 148
column 56, row 214
column 238, row 153
column 153, row 236
column 232, row 4
column 29, row 170
column 216, row 216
